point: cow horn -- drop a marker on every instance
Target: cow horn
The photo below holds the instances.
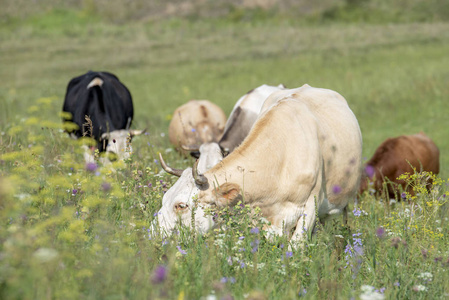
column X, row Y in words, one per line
column 200, row 179
column 134, row 132
column 176, row 172
column 190, row 148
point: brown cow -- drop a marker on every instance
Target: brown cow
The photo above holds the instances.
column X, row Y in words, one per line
column 195, row 123
column 394, row 157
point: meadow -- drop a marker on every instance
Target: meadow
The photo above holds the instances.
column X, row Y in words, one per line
column 71, row 232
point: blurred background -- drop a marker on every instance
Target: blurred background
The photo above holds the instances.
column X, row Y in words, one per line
column 387, row 58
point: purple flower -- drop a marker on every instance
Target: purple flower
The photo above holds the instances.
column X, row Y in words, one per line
column 397, row 283
column 255, row 245
column 193, row 129
column 91, row 167
column 159, row 274
column 336, row 189
column 241, row 238
column 380, row 232
column 183, row 252
column 369, row 170
column 404, row 196
column 150, row 185
column 288, row 254
column 255, row 230
column 74, row 191
column 357, row 212
column 106, row 186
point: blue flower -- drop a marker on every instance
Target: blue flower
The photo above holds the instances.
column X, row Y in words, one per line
column 183, row 252
column 336, row 189
column 255, row 230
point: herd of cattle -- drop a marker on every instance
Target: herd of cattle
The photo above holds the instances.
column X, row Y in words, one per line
column 294, row 153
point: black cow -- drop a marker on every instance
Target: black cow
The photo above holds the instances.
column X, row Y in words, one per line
column 102, row 108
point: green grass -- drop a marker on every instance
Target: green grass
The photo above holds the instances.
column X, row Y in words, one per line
column 93, row 244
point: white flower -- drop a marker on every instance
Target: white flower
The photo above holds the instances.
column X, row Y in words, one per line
column 427, row 276
column 45, row 254
column 419, row 288
column 368, row 293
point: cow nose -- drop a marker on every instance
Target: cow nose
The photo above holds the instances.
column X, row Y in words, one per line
column 181, row 207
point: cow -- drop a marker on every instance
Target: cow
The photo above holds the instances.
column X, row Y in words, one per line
column 102, row 108
column 243, row 116
column 302, row 158
column 396, row 156
column 195, row 123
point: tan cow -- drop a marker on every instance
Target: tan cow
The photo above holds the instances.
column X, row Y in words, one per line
column 396, row 156
column 302, row 154
column 195, row 123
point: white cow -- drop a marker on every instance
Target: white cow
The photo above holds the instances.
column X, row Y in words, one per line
column 243, row 116
column 302, row 154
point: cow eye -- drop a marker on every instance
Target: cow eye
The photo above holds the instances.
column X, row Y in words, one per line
column 181, row 206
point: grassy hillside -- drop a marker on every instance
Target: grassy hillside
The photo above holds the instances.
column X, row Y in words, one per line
column 70, row 233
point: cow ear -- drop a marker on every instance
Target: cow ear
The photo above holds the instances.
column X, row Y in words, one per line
column 227, row 194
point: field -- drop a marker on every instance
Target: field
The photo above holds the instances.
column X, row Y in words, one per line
column 69, row 233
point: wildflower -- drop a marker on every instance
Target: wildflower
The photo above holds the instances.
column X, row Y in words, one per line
column 336, row 189
column 397, row 284
column 426, row 276
column 91, row 167
column 404, row 196
column 183, row 252
column 437, row 259
column 159, row 274
column 369, row 171
column 106, row 186
column 241, row 237
column 369, row 293
column 150, row 185
column 45, row 254
column 255, row 245
column 380, row 232
column 288, row 254
column 302, row 293
column 255, row 230
column 419, row 288
column 357, row 212
column 74, row 192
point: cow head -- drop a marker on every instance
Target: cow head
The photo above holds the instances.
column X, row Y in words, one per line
column 119, row 142
column 180, row 200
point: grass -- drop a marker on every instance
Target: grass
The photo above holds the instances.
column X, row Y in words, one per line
column 71, row 233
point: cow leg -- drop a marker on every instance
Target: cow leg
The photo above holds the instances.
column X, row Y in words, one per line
column 306, row 222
